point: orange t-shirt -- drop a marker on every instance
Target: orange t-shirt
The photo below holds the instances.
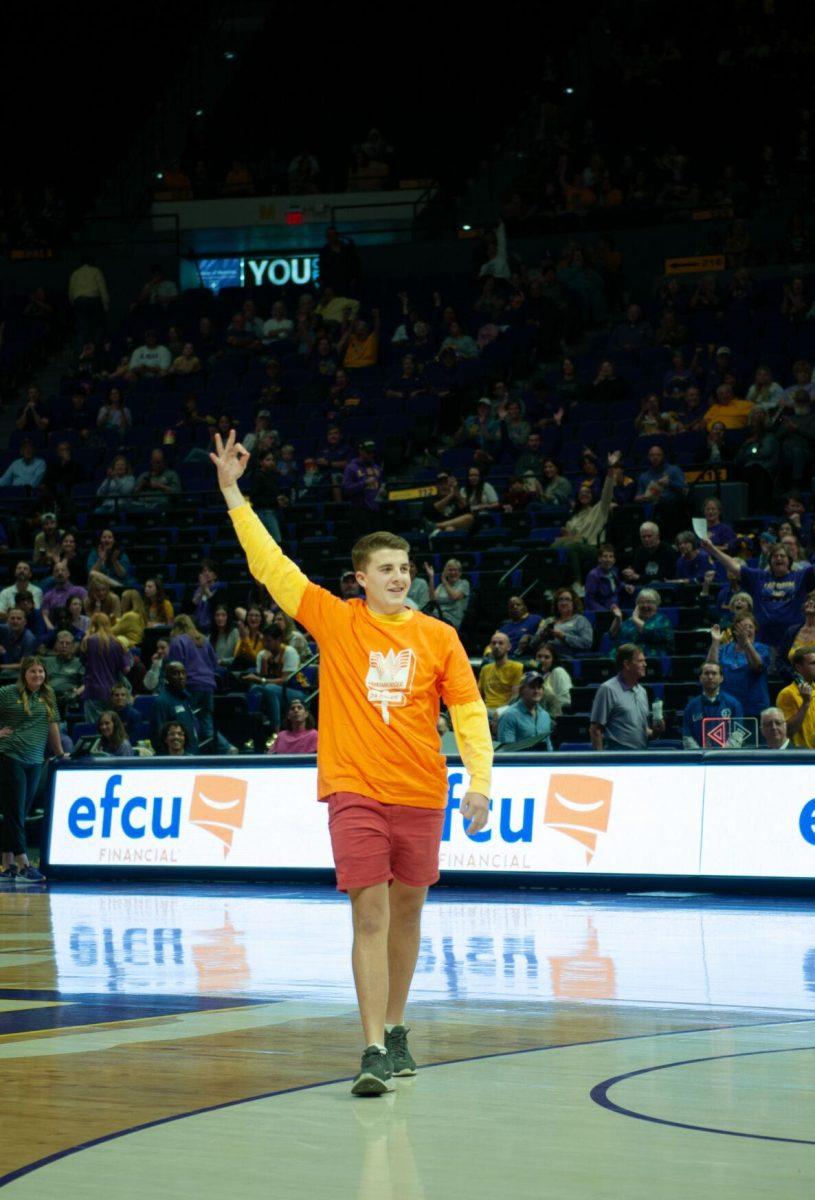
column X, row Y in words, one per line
column 361, row 353
column 380, row 684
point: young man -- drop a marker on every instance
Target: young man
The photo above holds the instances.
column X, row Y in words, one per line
column 383, row 669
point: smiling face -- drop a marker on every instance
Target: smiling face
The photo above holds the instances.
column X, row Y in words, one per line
column 175, row 739
column 386, row 579
column 106, row 726
column 35, row 677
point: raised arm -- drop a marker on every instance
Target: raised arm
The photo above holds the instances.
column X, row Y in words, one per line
column 284, row 580
column 727, row 562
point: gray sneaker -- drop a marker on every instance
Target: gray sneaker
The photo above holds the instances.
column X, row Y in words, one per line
column 375, row 1074
column 397, row 1047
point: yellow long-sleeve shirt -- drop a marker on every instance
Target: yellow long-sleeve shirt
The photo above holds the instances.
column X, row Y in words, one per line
column 381, row 679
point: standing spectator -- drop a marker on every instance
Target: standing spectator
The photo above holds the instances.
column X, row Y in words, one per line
column 299, row 736
column 362, row 483
column 189, row 647
column 88, row 296
column 619, row 714
column 586, row 526
column 567, row 628
column 22, row 583
column 452, row 595
column 797, row 431
column 26, row 471
column 745, row 663
column 62, row 474
column 713, row 704
column 267, row 491
column 339, row 262
column 154, row 488
column 663, row 486
column 29, row 721
column 557, row 682
column 603, row 582
column 499, row 680
column 105, row 662
column 526, row 717
column 795, row 701
column 756, row 461
column 173, row 704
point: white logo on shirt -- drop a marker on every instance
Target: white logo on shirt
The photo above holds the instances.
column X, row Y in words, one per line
column 390, row 679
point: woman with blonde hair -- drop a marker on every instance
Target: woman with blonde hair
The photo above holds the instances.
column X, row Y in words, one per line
column 291, row 634
column 100, row 598
column 191, row 648
column 105, row 661
column 130, row 627
column 29, row 722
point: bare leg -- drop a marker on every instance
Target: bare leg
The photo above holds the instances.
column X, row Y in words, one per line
column 403, row 946
column 369, row 908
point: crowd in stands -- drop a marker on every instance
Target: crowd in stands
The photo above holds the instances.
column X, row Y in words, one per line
column 552, row 502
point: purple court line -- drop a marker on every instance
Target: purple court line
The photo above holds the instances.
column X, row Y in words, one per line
column 308, row 1087
column 599, row 1094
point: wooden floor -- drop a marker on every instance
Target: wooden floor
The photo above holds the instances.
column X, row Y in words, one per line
column 197, row 1042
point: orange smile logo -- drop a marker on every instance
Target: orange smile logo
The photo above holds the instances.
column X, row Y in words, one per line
column 218, row 805
column 579, row 806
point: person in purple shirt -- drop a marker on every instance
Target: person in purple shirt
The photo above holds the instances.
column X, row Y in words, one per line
column 692, row 565
column 194, row 652
column 60, row 593
column 105, row 662
column 602, row 582
column 720, row 534
column 362, row 479
column 521, row 625
column 777, row 592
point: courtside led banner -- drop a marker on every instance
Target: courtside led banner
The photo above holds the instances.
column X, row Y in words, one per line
column 550, row 814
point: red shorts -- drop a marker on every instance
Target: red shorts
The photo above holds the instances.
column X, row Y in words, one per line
column 375, row 843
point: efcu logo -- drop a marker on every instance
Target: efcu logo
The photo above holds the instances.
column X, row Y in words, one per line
column 579, row 806
column 218, row 805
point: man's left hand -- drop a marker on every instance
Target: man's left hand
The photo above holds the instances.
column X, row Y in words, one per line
column 477, row 808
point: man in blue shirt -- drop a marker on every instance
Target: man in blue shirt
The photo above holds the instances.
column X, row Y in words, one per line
column 713, row 702
column 25, row 471
column 522, row 624
column 16, row 641
column 526, row 718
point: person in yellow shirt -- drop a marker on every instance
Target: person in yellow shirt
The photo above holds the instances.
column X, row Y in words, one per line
column 500, row 679
column 730, row 411
column 384, row 668
column 360, row 344
column 336, row 309
column 795, row 701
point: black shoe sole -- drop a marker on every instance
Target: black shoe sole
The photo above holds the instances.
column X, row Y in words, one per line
column 371, row 1085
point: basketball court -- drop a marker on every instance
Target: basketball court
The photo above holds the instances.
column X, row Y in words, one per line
column 198, row 1041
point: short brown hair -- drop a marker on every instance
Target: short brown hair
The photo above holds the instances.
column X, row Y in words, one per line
column 625, row 653
column 368, row 545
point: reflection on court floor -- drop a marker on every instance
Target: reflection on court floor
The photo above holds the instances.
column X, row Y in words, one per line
column 591, row 1046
